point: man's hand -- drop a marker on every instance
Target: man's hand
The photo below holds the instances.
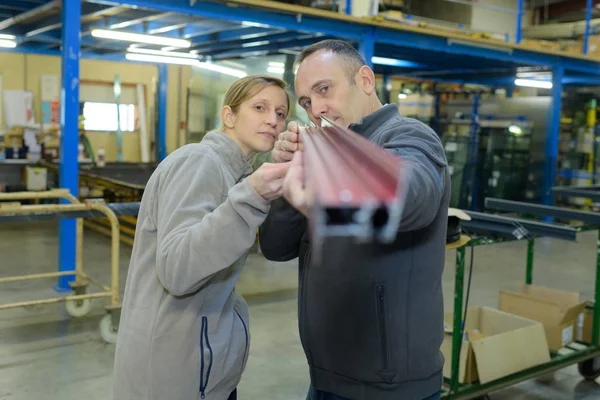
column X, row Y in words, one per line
column 293, row 184
column 267, row 180
column 287, row 144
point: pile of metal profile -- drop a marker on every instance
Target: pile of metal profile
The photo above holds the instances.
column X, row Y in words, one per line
column 519, row 228
column 589, row 218
column 354, row 187
column 591, row 192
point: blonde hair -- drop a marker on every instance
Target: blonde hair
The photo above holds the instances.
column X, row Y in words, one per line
column 244, row 88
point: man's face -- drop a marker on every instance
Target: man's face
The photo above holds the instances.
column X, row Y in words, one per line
column 323, row 89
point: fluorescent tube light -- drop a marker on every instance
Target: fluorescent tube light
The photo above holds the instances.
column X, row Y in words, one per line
column 7, row 37
column 161, row 59
column 394, row 62
column 254, row 24
column 219, row 68
column 402, row 96
column 275, row 70
column 162, row 53
column 533, row 83
column 8, row 43
column 276, row 64
column 515, row 130
column 140, row 38
column 254, row 44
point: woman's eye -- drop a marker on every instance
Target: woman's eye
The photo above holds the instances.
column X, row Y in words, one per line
column 260, row 108
column 281, row 115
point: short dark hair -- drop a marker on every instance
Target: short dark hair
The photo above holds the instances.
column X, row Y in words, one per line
column 353, row 60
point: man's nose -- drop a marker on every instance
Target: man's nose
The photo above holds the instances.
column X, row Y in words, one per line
column 318, row 110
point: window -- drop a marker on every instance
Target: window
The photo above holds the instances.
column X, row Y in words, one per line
column 103, row 117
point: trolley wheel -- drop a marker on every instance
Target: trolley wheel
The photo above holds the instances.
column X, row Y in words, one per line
column 108, row 330
column 78, row 308
column 590, row 369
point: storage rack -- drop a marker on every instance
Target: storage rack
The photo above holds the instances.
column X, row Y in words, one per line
column 487, row 229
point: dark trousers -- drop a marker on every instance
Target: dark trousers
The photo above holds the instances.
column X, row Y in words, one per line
column 233, row 395
column 314, row 394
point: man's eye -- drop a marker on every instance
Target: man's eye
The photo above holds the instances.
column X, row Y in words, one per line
column 323, row 90
column 306, row 104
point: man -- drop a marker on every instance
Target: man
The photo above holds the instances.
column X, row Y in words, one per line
column 370, row 315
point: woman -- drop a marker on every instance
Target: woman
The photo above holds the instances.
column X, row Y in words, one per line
column 184, row 332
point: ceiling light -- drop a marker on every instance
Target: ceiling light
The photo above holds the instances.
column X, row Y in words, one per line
column 533, row 83
column 140, row 38
column 276, row 64
column 515, row 130
column 402, row 96
column 255, row 24
column 161, row 59
column 162, row 53
column 394, row 62
column 8, row 43
column 219, row 68
column 275, row 70
column 7, row 37
column 254, row 44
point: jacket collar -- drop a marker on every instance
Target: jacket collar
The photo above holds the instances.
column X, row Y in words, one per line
column 369, row 123
column 230, row 151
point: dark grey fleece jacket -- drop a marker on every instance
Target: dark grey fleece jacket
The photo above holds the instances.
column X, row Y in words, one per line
column 371, row 315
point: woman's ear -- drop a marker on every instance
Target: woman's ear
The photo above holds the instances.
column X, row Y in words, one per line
column 228, row 117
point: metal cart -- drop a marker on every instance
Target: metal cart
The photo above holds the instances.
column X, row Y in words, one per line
column 485, row 229
column 77, row 304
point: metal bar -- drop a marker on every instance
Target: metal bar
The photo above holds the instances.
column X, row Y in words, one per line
column 590, row 192
column 35, row 276
column 529, row 272
column 54, row 300
column 366, row 47
column 535, row 227
column 95, row 281
column 596, row 319
column 43, row 213
column 459, row 278
column 161, row 132
column 541, row 210
column 552, row 135
column 29, row 14
column 474, row 149
column 365, row 203
column 519, row 28
column 475, row 390
column 588, row 18
column 68, row 172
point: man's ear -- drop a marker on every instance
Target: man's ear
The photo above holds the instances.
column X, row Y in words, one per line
column 228, row 117
column 366, row 78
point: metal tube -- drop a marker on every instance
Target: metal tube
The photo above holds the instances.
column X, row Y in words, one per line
column 54, row 300
column 541, row 210
column 459, row 278
column 590, row 192
column 35, row 276
column 473, row 150
column 518, row 28
column 529, row 273
column 96, row 282
column 596, row 319
column 552, row 135
column 161, row 132
column 588, row 18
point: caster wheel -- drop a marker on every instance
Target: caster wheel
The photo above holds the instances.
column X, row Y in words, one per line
column 107, row 330
column 590, row 369
column 78, row 308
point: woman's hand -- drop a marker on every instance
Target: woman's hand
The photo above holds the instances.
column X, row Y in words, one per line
column 267, row 180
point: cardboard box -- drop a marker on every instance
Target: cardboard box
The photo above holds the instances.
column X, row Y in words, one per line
column 585, row 326
column 557, row 310
column 497, row 344
column 36, row 178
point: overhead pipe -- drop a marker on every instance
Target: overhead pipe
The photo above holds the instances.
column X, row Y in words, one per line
column 7, row 23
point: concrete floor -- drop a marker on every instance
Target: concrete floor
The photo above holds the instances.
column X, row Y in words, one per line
column 46, row 354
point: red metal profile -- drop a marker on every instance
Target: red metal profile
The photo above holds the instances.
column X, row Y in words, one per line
column 354, row 187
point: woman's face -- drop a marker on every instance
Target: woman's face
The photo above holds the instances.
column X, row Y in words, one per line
column 259, row 120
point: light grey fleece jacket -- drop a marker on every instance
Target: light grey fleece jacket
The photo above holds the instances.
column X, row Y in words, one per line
column 184, row 332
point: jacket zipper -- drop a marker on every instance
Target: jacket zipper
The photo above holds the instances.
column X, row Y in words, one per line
column 382, row 321
column 245, row 333
column 203, row 338
column 306, row 266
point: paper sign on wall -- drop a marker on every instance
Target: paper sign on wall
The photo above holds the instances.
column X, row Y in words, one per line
column 50, row 101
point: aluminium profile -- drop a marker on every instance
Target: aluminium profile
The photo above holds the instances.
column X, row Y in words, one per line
column 354, row 187
column 591, row 192
column 542, row 210
column 537, row 228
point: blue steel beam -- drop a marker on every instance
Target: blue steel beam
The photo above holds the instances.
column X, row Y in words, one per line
column 161, row 132
column 551, row 148
column 518, row 28
column 17, row 6
column 588, row 17
column 247, row 44
column 366, row 47
column 241, row 33
column 222, row 11
column 69, row 166
column 267, row 47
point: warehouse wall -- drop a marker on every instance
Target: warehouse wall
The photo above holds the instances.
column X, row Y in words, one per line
column 24, row 72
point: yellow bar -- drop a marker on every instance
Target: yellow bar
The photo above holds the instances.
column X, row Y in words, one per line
column 54, row 300
column 35, row 276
